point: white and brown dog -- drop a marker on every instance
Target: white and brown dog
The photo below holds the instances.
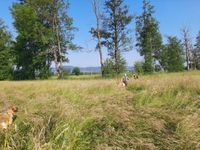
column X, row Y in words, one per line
column 6, row 118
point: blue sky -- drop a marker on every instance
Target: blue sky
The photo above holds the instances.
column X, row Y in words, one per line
column 171, row 14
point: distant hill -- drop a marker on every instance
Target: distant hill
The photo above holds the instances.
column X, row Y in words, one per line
column 88, row 69
column 84, row 69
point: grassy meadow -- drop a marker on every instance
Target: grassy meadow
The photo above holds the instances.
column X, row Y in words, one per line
column 160, row 111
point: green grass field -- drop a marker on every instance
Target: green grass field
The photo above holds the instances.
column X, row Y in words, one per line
column 160, row 111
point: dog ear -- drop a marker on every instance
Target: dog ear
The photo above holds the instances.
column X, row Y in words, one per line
column 15, row 109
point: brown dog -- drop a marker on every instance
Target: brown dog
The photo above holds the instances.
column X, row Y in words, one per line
column 6, row 118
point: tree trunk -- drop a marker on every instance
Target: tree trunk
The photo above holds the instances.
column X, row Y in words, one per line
column 187, row 54
column 54, row 48
column 96, row 9
column 187, row 59
column 116, row 55
column 57, row 51
column 55, row 59
column 187, row 46
column 99, row 47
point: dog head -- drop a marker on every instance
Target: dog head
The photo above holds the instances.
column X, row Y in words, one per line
column 12, row 109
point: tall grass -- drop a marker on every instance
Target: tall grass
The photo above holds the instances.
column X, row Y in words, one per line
column 155, row 112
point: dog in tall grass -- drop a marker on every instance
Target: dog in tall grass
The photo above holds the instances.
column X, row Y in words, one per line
column 7, row 117
column 124, row 81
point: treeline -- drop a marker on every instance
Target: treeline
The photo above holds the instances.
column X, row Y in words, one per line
column 169, row 57
column 45, row 34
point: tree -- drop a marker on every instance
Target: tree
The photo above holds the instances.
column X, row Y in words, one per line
column 196, row 53
column 138, row 67
column 96, row 32
column 76, row 71
column 62, row 29
column 108, row 68
column 149, row 40
column 173, row 55
column 115, row 33
column 32, row 42
column 44, row 35
column 6, row 58
column 164, row 57
column 187, row 47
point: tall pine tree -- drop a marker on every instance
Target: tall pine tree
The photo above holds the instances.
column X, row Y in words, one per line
column 149, row 39
column 6, row 59
column 116, row 32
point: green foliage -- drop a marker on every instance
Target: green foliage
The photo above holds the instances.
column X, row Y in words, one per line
column 116, row 33
column 6, row 56
column 138, row 67
column 149, row 39
column 109, row 67
column 196, row 53
column 62, row 33
column 76, row 71
column 198, row 66
column 44, row 35
column 31, row 47
column 66, row 72
column 164, row 57
column 171, row 55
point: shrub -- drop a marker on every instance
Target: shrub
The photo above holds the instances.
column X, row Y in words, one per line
column 138, row 67
column 76, row 71
column 66, row 72
column 110, row 69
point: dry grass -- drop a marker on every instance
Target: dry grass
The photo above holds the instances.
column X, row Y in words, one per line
column 155, row 112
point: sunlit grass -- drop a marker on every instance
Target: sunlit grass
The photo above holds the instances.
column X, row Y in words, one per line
column 160, row 111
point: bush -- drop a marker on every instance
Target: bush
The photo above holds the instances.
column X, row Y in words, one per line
column 198, row 66
column 5, row 73
column 76, row 71
column 66, row 72
column 110, row 69
column 138, row 67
